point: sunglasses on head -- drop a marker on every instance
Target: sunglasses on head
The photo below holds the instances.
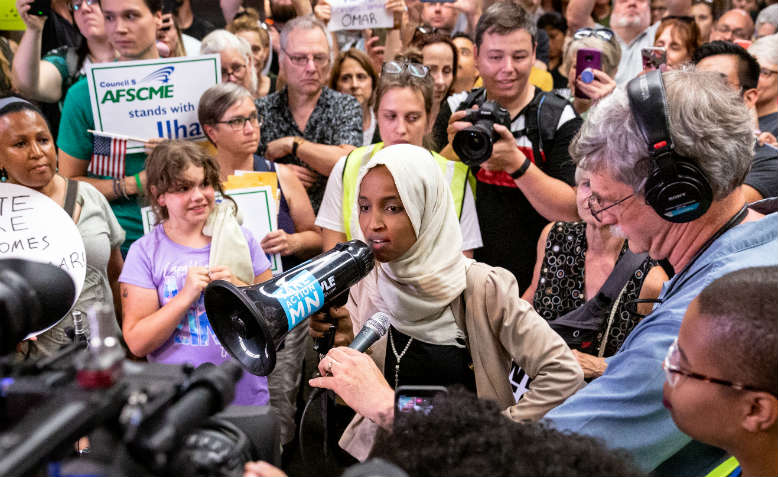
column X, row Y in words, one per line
column 601, row 33
column 399, row 67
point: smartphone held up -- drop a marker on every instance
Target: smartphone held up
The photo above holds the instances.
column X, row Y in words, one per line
column 587, row 60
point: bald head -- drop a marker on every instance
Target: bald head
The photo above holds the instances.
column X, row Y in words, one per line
column 736, row 24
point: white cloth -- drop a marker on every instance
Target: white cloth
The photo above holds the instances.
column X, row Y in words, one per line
column 191, row 45
column 367, row 134
column 228, row 244
column 417, row 288
column 330, row 214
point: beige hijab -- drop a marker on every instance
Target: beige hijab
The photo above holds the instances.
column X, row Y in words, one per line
column 417, row 288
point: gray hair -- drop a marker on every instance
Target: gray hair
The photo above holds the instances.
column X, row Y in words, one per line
column 765, row 50
column 709, row 124
column 611, row 53
column 306, row 22
column 217, row 99
column 220, row 40
column 767, row 15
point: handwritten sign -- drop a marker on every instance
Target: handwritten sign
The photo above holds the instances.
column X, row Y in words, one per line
column 151, row 98
column 359, row 14
column 34, row 227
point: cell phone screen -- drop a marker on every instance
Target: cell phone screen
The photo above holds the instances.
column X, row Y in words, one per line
column 416, row 398
column 415, row 404
column 653, row 58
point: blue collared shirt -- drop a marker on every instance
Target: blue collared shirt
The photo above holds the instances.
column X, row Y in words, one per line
column 624, row 407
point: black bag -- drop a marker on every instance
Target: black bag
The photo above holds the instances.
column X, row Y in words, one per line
column 581, row 327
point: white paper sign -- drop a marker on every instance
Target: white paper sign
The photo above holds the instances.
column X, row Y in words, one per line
column 359, row 14
column 34, row 227
column 151, row 98
column 256, row 206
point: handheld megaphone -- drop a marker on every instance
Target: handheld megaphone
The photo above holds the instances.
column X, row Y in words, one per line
column 252, row 321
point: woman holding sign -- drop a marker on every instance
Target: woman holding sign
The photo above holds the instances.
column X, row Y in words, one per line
column 167, row 270
column 28, row 158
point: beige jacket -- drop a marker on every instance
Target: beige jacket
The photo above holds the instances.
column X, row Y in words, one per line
column 500, row 328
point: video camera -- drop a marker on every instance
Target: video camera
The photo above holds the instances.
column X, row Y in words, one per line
column 144, row 419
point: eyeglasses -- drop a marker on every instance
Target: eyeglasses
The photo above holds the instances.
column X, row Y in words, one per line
column 766, row 72
column 235, row 69
column 302, row 60
column 397, row 68
column 239, row 122
column 682, row 18
column 737, row 32
column 596, row 206
column 76, row 4
column 601, row 33
column 429, row 30
column 673, row 372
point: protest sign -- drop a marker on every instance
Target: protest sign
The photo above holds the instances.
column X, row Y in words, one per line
column 359, row 14
column 151, row 98
column 34, row 227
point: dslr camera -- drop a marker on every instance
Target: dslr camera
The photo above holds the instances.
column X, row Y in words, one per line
column 474, row 144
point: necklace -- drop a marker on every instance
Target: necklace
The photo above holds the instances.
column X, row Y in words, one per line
column 398, row 357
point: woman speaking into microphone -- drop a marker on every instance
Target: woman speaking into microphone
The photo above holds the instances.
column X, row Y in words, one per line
column 452, row 320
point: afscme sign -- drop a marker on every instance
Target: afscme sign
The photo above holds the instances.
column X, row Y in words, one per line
column 148, row 99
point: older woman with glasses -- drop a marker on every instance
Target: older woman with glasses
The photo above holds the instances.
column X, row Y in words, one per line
column 236, row 60
column 230, row 121
column 601, row 83
column 574, row 261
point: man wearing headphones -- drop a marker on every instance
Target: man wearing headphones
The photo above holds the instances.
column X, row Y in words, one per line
column 667, row 158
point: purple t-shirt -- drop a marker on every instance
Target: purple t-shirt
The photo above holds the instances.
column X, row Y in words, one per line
column 155, row 261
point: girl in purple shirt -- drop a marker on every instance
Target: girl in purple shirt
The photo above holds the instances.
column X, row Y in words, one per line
column 167, row 270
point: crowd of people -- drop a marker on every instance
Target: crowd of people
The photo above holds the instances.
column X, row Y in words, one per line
column 571, row 204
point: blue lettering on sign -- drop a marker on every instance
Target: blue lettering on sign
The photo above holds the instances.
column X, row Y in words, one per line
column 300, row 297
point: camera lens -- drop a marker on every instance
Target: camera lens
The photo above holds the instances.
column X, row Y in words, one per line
column 472, row 145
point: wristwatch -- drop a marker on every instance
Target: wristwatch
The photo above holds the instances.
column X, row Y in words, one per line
column 521, row 170
column 297, row 141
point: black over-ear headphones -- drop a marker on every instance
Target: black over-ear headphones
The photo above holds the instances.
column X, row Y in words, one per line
column 676, row 188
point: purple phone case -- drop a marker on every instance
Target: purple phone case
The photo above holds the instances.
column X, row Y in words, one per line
column 586, row 58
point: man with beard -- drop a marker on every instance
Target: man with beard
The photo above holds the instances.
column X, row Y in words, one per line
column 631, row 22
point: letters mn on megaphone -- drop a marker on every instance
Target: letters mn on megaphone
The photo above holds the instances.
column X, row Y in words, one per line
column 252, row 321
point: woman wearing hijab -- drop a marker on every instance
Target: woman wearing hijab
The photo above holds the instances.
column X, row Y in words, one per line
column 453, row 320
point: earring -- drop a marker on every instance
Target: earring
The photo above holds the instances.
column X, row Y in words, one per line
column 3, row 175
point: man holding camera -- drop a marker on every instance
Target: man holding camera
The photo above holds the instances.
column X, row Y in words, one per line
column 526, row 180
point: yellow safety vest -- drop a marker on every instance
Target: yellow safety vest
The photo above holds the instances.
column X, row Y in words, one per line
column 456, row 173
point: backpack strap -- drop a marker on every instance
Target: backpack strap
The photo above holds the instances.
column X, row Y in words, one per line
column 71, row 192
column 476, row 96
column 540, row 121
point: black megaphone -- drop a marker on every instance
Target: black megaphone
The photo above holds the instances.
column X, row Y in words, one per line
column 252, row 321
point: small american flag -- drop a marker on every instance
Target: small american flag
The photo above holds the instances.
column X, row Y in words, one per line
column 108, row 155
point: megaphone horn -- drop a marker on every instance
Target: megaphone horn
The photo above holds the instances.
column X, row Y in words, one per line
column 252, row 321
